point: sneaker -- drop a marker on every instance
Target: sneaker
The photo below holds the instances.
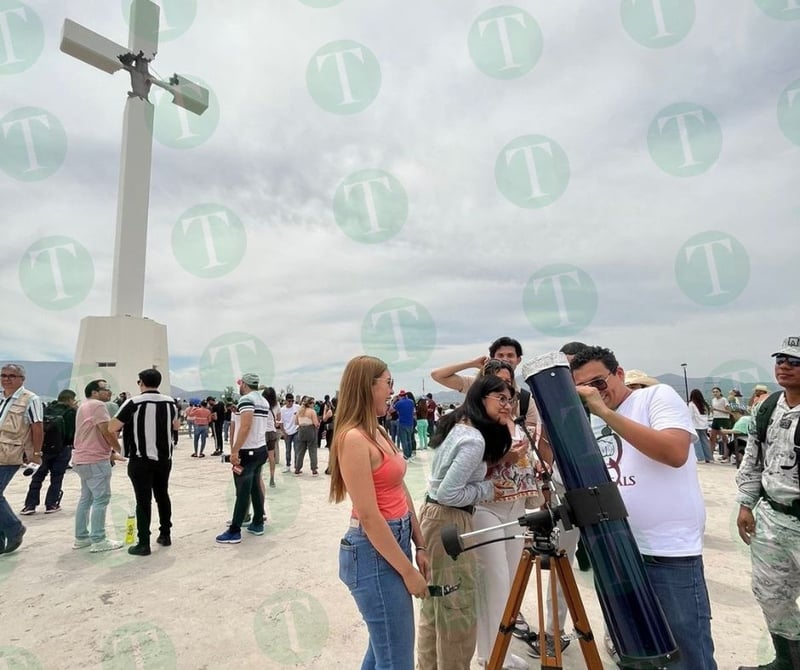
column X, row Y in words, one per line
column 272, row 483
column 105, row 545
column 27, row 511
column 536, row 650
column 229, row 538
column 82, row 544
column 287, row 469
column 53, row 509
column 12, row 543
column 298, row 472
column 139, row 550
column 521, row 628
column 255, row 528
column 202, row 456
column 164, row 540
column 193, row 455
column 315, row 473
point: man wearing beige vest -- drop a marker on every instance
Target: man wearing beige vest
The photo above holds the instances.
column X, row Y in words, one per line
column 20, row 438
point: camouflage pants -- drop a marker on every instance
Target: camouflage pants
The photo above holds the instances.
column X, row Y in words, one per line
column 448, row 625
column 775, row 555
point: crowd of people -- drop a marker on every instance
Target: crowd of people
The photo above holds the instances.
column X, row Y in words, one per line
column 491, row 455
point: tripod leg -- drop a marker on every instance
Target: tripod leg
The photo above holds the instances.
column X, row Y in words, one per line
column 562, row 568
column 513, row 605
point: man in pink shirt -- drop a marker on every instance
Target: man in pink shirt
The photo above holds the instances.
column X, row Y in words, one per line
column 91, row 459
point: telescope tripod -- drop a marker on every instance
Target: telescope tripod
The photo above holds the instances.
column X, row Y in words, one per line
column 560, row 573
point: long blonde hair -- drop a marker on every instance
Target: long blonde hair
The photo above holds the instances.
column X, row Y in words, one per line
column 355, row 409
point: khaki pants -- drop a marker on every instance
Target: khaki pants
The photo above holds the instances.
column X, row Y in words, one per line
column 447, row 627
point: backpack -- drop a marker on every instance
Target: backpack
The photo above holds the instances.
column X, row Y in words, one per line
column 53, row 429
column 762, row 419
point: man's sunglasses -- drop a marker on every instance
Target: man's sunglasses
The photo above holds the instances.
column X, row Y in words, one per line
column 791, row 360
column 599, row 384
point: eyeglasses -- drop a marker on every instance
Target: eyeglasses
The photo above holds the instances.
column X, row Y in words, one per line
column 779, row 360
column 599, row 384
column 502, row 399
column 9, row 376
column 388, row 380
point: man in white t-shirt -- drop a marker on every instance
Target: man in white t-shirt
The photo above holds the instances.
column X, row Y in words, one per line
column 289, row 427
column 248, row 455
column 94, row 447
column 646, row 436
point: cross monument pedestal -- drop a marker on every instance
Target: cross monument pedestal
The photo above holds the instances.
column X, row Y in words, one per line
column 117, row 347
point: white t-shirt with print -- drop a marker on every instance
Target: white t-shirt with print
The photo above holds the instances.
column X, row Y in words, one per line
column 665, row 505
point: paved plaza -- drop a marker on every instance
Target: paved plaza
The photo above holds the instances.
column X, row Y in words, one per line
column 273, row 601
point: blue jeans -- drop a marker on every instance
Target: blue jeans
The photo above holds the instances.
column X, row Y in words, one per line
column 381, row 597
column 200, row 435
column 406, row 435
column 702, row 448
column 289, row 440
column 680, row 587
column 95, row 495
column 10, row 525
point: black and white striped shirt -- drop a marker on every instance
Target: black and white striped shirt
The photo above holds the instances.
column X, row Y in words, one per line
column 147, row 425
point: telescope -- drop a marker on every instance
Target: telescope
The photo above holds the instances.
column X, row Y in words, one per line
column 629, row 603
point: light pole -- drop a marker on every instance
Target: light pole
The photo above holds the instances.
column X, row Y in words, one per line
column 685, row 381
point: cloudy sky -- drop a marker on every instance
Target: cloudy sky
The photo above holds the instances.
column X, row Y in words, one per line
column 413, row 180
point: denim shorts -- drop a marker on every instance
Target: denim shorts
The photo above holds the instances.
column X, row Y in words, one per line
column 381, row 596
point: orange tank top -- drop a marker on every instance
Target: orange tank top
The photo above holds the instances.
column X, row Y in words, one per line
column 389, row 492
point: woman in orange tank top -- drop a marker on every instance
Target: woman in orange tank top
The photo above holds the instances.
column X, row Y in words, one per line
column 375, row 560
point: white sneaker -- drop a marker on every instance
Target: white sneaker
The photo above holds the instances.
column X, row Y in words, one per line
column 81, row 544
column 105, row 545
column 287, row 469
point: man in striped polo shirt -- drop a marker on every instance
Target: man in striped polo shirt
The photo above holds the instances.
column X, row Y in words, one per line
column 147, row 421
column 248, row 455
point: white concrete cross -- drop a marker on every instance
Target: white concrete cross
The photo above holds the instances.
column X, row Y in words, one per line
column 127, row 288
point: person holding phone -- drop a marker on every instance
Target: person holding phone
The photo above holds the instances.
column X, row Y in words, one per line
column 366, row 465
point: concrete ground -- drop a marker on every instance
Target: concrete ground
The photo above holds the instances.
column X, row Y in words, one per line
column 273, row 601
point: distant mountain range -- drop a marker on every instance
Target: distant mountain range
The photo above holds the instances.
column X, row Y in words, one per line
column 47, row 378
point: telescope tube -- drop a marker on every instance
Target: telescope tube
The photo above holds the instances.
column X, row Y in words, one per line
column 637, row 624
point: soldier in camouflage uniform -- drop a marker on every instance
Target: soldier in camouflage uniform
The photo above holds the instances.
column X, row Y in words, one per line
column 769, row 514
